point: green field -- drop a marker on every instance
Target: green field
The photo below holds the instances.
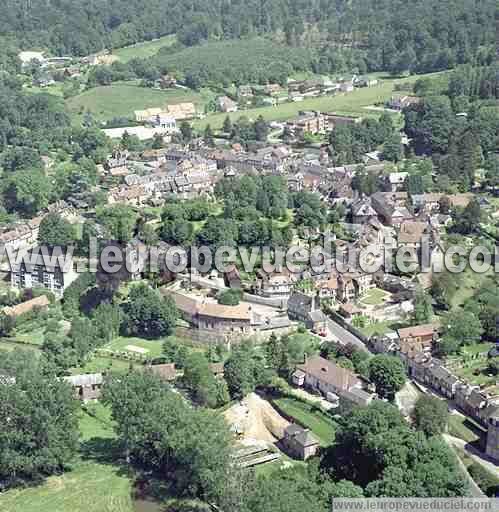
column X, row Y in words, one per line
column 121, row 99
column 153, row 347
column 99, row 364
column 349, row 104
column 320, row 424
column 95, row 482
column 144, row 50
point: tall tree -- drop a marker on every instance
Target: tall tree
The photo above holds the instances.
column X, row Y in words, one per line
column 388, row 375
column 39, row 419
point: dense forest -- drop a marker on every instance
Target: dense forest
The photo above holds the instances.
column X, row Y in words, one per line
column 390, row 35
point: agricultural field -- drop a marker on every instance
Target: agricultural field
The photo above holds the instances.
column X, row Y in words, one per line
column 121, row 99
column 318, row 422
column 144, row 50
column 96, row 481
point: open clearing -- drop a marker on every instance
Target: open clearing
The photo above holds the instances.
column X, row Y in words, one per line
column 136, row 345
column 144, row 50
column 95, row 483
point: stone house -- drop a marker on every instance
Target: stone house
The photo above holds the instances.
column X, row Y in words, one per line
column 391, row 207
column 300, row 442
column 225, row 104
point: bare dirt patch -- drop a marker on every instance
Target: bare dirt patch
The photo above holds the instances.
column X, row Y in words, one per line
column 255, row 419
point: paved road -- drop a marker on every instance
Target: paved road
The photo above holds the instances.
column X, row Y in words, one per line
column 338, row 333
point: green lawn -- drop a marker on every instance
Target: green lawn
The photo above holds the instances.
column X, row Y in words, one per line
column 349, row 104
column 463, row 428
column 478, row 349
column 95, row 482
column 122, row 99
column 320, row 424
column 144, row 50
column 374, row 297
column 99, row 364
column 475, row 372
column 153, row 347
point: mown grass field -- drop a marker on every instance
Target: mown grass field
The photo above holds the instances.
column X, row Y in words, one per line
column 121, row 99
column 144, row 50
column 96, row 481
column 153, row 348
column 350, row 104
column 322, row 426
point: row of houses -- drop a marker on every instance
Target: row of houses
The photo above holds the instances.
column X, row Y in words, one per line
column 413, row 345
column 24, row 235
